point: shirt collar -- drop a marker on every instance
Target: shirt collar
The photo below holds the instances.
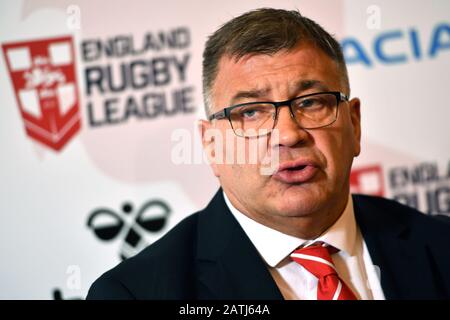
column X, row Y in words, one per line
column 275, row 246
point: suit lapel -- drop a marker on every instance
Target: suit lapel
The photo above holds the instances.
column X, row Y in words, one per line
column 403, row 260
column 228, row 265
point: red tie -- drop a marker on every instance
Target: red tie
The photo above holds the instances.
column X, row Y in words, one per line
column 316, row 258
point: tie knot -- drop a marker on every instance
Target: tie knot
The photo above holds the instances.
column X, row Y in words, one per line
column 316, row 258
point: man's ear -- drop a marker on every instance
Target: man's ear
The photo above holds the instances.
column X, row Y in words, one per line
column 209, row 142
column 355, row 116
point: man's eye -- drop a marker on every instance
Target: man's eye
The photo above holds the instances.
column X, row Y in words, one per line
column 253, row 113
column 249, row 113
column 308, row 103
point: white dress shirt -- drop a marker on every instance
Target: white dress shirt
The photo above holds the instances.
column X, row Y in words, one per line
column 353, row 263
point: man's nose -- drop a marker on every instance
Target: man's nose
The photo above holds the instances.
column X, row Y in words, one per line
column 289, row 131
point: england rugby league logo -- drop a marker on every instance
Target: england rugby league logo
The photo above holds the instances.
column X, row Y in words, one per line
column 43, row 75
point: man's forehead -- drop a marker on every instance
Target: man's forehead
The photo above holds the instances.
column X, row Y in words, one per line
column 266, row 77
column 260, row 72
column 303, row 50
column 303, row 62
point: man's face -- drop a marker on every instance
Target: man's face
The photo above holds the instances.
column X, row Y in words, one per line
column 324, row 183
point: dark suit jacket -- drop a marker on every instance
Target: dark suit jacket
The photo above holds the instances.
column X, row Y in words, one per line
column 209, row 256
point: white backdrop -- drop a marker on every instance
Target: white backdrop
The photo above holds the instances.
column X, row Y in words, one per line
column 103, row 161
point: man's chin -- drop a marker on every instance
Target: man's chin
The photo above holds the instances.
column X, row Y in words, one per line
column 300, row 191
column 300, row 198
column 298, row 208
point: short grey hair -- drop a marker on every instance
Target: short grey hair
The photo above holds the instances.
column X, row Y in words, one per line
column 265, row 31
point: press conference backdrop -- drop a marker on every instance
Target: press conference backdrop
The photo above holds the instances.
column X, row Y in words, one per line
column 98, row 96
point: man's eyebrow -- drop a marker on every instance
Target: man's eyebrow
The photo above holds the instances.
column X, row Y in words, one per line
column 298, row 87
column 252, row 94
column 304, row 85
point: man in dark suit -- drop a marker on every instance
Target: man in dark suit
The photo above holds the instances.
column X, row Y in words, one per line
column 283, row 224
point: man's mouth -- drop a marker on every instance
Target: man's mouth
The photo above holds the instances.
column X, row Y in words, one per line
column 296, row 168
column 299, row 171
